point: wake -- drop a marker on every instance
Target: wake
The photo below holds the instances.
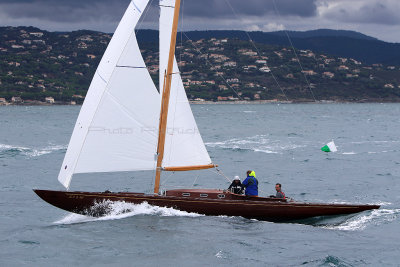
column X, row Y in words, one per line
column 120, row 210
column 13, row 150
column 362, row 221
column 257, row 143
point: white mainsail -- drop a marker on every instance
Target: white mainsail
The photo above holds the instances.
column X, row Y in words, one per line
column 183, row 144
column 117, row 127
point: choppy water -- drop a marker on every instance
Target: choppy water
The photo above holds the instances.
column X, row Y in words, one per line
column 280, row 142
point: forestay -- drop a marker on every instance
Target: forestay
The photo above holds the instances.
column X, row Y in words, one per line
column 117, row 126
column 183, row 145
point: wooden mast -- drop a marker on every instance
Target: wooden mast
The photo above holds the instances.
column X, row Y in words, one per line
column 165, row 98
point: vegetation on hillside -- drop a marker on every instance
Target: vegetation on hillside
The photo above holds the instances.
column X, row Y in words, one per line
column 36, row 64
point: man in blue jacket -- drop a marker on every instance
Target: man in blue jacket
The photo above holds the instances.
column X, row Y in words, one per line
column 251, row 184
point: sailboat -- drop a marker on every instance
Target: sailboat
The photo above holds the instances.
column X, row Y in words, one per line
column 125, row 124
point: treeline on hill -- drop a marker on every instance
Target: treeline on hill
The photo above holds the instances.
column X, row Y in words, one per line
column 214, row 66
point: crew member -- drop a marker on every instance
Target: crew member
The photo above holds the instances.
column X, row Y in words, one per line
column 279, row 193
column 251, row 184
column 236, row 186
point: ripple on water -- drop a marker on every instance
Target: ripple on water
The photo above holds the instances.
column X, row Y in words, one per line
column 330, row 260
column 334, row 261
column 28, row 242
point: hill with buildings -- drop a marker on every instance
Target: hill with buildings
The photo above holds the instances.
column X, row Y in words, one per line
column 37, row 65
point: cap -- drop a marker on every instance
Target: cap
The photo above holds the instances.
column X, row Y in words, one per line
column 236, row 178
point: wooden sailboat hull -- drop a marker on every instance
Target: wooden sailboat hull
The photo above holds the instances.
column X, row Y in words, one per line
column 268, row 209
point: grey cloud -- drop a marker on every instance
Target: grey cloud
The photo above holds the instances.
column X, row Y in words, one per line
column 64, row 11
column 375, row 17
column 77, row 11
column 206, row 8
column 373, row 12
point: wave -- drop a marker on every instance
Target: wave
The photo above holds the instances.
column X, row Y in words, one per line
column 360, row 222
column 120, row 210
column 376, row 142
column 328, row 261
column 220, row 255
column 368, row 152
column 257, row 143
column 12, row 150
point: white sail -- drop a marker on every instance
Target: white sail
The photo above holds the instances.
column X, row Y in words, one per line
column 117, row 126
column 183, row 144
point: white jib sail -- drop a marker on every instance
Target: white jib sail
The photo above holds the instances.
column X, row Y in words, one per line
column 183, row 145
column 117, row 126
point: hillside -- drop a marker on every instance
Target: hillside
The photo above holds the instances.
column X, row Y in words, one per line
column 338, row 43
column 36, row 64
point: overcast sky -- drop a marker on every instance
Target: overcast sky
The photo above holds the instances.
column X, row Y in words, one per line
column 377, row 18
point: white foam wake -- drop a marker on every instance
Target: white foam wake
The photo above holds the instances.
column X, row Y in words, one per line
column 257, row 143
column 368, row 152
column 13, row 150
column 120, row 209
column 376, row 142
column 360, row 222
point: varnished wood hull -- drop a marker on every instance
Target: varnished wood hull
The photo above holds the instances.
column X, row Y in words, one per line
column 268, row 209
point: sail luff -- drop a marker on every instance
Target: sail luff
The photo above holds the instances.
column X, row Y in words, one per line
column 165, row 97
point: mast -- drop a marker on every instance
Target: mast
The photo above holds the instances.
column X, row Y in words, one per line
column 165, row 98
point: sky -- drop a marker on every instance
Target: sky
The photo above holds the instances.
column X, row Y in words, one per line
column 376, row 18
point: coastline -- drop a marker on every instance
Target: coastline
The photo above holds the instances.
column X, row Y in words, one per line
column 239, row 102
column 245, row 102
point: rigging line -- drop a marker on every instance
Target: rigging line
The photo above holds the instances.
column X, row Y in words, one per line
column 219, row 172
column 142, row 17
column 133, row 2
column 209, row 63
column 182, row 27
column 194, row 182
column 294, row 51
column 101, row 77
column 210, row 170
column 223, row 174
column 258, row 51
column 166, row 179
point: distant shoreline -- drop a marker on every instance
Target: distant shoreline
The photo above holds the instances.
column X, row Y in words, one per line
column 240, row 102
column 289, row 102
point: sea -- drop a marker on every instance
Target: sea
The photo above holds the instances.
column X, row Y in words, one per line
column 280, row 142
